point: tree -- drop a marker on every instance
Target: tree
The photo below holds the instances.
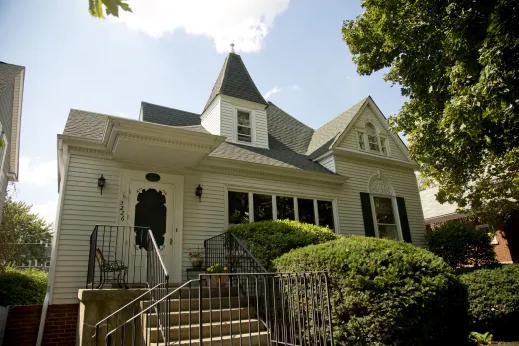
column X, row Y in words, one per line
column 458, row 63
column 21, row 233
column 95, row 7
column 424, row 182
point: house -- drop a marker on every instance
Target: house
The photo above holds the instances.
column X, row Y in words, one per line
column 11, row 95
column 35, row 263
column 189, row 176
column 436, row 214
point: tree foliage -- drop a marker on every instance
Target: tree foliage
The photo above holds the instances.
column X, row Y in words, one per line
column 458, row 63
column 21, row 233
column 111, row 7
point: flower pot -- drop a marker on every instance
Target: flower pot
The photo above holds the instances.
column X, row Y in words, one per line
column 220, row 280
column 197, row 263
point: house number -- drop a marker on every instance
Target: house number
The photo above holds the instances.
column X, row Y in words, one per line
column 121, row 210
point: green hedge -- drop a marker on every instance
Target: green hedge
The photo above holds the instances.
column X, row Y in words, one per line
column 268, row 240
column 461, row 244
column 493, row 296
column 386, row 292
column 22, row 287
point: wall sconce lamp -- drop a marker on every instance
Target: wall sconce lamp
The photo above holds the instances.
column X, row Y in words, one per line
column 101, row 183
column 198, row 192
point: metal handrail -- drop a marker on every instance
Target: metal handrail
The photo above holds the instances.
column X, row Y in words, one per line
column 157, row 249
column 244, row 248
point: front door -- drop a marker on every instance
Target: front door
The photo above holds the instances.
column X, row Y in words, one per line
column 152, row 205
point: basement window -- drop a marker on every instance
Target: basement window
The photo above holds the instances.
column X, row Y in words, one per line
column 244, row 126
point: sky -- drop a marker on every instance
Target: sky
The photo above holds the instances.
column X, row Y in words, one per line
column 170, row 52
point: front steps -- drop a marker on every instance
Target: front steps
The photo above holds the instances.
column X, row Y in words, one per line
column 226, row 320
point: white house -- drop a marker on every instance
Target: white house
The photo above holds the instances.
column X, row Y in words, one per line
column 250, row 161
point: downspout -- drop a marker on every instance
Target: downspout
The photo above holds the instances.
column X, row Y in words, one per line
column 54, row 253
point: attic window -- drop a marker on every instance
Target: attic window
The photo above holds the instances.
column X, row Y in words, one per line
column 360, row 136
column 372, row 138
column 244, row 127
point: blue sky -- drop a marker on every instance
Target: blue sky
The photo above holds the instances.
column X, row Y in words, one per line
column 170, row 53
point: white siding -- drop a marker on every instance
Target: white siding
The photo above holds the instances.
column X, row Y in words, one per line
column 227, row 120
column 262, row 137
column 403, row 182
column 211, row 117
column 328, row 162
column 350, row 141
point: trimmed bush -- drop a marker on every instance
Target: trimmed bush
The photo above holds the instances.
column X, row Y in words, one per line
column 22, row 287
column 268, row 240
column 493, row 296
column 461, row 244
column 385, row 292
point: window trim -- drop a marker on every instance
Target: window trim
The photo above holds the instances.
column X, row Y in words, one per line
column 365, row 137
column 252, row 125
column 396, row 215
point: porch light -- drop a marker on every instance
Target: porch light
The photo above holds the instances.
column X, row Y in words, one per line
column 101, row 183
column 198, row 192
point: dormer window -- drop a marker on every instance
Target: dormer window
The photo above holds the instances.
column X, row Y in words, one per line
column 369, row 140
column 362, row 145
column 244, row 126
column 372, row 138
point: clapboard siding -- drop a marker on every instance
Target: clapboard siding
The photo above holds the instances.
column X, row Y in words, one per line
column 328, row 162
column 211, row 117
column 350, row 141
column 260, row 124
column 6, row 113
column 403, row 182
column 227, row 120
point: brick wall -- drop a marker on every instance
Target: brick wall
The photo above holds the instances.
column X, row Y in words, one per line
column 60, row 327
column 502, row 250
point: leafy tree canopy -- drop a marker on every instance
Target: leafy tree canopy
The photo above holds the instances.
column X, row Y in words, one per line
column 458, row 63
column 21, row 233
column 111, row 7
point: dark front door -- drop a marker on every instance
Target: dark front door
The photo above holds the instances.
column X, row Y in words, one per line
column 150, row 211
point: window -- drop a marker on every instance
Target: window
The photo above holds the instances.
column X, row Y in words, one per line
column 372, row 138
column 244, row 127
column 383, row 145
column 285, row 206
column 306, row 210
column 360, row 136
column 238, row 207
column 325, row 211
column 385, row 217
column 262, row 207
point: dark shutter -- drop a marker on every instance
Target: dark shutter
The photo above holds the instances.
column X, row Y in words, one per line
column 367, row 215
column 404, row 222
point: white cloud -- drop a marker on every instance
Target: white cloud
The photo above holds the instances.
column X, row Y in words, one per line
column 47, row 210
column 271, row 92
column 36, row 172
column 245, row 23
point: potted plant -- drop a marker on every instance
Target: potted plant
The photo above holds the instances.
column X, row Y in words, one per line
column 196, row 258
column 222, row 278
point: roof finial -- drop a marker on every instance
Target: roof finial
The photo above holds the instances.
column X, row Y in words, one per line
column 232, row 47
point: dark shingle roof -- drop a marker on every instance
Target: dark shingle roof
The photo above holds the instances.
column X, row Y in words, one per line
column 168, row 116
column 86, row 124
column 271, row 157
column 8, row 74
column 234, row 80
column 323, row 136
column 286, row 132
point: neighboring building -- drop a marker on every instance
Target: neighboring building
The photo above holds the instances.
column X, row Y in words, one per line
column 436, row 214
column 11, row 96
column 34, row 263
column 242, row 159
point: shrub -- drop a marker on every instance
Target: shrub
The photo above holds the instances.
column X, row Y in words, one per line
column 493, row 296
column 461, row 244
column 268, row 240
column 22, row 287
column 386, row 292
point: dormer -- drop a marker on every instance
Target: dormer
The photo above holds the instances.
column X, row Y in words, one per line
column 235, row 109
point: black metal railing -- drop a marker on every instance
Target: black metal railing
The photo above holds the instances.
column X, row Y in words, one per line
column 116, row 259
column 120, row 328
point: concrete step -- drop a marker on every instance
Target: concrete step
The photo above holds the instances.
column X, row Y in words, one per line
column 207, row 316
column 253, row 339
column 206, row 292
column 184, row 304
column 215, row 330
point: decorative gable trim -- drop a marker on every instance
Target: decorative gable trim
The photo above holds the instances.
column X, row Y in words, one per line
column 379, row 159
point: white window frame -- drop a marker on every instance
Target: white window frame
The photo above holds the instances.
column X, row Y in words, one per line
column 363, row 134
column 386, row 145
column 252, row 125
column 395, row 212
column 365, row 137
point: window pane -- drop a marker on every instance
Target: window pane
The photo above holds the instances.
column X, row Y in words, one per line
column 373, row 143
column 383, row 145
column 244, row 130
column 361, row 140
column 243, row 118
column 244, row 138
column 387, row 231
column 306, row 210
column 384, row 210
column 238, row 207
column 325, row 210
column 285, row 207
column 262, row 207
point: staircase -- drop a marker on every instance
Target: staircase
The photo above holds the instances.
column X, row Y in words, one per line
column 226, row 319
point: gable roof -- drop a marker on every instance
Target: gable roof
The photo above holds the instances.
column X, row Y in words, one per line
column 286, row 132
column 234, row 80
column 8, row 74
column 85, row 124
column 168, row 116
column 323, row 137
column 432, row 209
